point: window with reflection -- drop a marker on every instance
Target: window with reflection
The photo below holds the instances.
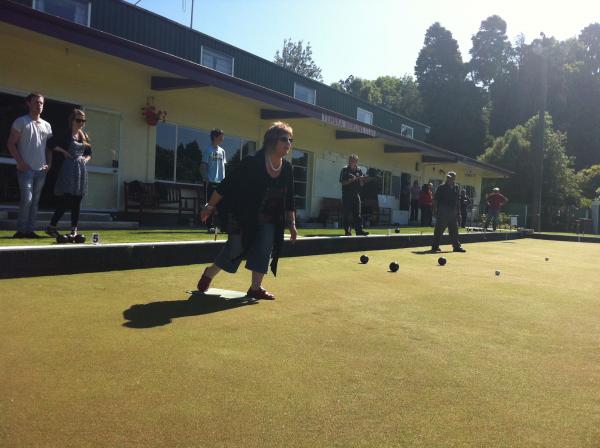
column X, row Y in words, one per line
column 166, row 145
column 179, row 152
column 77, row 11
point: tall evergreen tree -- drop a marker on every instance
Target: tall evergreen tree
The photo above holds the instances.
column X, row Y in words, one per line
column 491, row 54
column 452, row 104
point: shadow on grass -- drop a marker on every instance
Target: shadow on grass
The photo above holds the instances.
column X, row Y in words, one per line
column 429, row 252
column 158, row 232
column 156, row 314
column 321, row 234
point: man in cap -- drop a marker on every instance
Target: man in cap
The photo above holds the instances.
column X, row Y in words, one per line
column 495, row 201
column 446, row 210
column 352, row 180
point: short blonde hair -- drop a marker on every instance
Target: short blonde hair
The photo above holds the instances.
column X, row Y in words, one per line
column 275, row 131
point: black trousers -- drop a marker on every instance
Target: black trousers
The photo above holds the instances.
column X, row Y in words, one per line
column 446, row 218
column 414, row 210
column 352, row 215
column 463, row 217
column 68, row 201
column 212, row 221
column 426, row 215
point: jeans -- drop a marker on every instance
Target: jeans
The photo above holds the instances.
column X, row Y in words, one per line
column 30, row 187
column 258, row 255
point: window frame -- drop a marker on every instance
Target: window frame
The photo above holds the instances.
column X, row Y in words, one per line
column 34, row 5
column 404, row 128
column 296, row 85
column 204, row 49
column 368, row 112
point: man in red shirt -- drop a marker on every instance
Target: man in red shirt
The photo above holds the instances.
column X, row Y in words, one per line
column 495, row 201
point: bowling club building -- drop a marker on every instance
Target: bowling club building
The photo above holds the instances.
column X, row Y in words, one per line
column 113, row 59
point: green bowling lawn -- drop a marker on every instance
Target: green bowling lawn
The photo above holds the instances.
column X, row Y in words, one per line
column 349, row 355
column 147, row 235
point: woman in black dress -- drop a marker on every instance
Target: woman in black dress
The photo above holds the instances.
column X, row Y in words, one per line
column 72, row 180
column 257, row 197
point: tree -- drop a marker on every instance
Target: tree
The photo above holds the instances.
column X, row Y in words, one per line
column 296, row 57
column 452, row 104
column 400, row 95
column 590, row 38
column 514, row 151
column 589, row 181
column 491, row 53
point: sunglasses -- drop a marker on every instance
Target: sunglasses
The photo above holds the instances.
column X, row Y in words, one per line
column 80, row 120
column 286, row 140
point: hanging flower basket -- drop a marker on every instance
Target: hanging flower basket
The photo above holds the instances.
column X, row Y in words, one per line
column 153, row 115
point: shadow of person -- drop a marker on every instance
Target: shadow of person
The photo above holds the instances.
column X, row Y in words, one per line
column 430, row 252
column 156, row 314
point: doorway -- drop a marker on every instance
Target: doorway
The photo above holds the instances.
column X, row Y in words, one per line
column 12, row 107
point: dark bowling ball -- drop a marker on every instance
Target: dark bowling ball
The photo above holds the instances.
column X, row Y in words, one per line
column 364, row 259
column 441, row 261
column 397, row 230
column 394, row 266
column 79, row 238
column 62, row 239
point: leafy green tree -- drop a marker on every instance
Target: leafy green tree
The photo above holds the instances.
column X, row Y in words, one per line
column 400, row 95
column 589, row 181
column 491, row 54
column 298, row 58
column 514, row 151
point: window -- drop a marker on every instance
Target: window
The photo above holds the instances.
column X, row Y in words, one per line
column 179, row 152
column 300, row 161
column 305, row 94
column 77, row 11
column 220, row 62
column 407, row 131
column 364, row 115
column 386, row 187
column 166, row 144
column 404, row 191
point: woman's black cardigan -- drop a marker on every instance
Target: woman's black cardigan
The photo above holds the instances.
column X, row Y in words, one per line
column 243, row 194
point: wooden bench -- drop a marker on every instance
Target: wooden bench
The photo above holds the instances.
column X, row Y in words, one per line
column 145, row 196
column 331, row 210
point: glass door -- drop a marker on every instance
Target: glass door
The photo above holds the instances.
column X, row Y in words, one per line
column 104, row 130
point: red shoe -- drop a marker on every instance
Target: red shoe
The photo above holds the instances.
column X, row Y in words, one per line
column 260, row 294
column 204, row 282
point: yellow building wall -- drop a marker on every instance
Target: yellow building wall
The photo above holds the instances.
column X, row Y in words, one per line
column 67, row 72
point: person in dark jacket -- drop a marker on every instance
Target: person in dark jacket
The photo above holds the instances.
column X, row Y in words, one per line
column 71, row 183
column 258, row 197
column 447, row 213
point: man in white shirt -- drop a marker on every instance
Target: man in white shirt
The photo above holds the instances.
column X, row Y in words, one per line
column 212, row 167
column 27, row 143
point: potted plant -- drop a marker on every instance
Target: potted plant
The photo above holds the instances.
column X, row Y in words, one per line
column 153, row 115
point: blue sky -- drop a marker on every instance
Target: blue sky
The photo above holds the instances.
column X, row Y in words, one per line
column 369, row 38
